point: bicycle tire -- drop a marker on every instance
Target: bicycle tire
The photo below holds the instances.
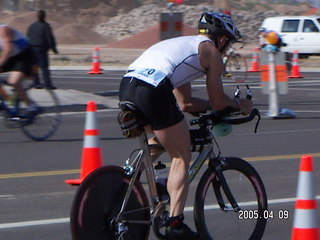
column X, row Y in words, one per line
column 98, row 200
column 45, row 124
column 238, row 67
column 213, row 223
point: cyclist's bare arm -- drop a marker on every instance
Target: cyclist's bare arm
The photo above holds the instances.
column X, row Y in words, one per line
column 187, row 103
column 6, row 36
column 210, row 59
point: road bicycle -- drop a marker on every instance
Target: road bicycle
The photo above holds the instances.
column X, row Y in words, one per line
column 236, row 66
column 230, row 199
column 38, row 126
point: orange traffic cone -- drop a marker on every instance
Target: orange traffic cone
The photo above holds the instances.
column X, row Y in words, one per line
column 96, row 62
column 295, row 69
column 91, row 153
column 255, row 61
column 305, row 223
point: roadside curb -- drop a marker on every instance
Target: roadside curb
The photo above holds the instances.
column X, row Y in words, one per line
column 76, row 101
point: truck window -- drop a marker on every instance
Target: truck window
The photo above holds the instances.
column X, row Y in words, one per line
column 309, row 26
column 290, row 26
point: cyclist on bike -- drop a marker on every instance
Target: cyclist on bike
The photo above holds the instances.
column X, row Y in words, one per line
column 159, row 84
column 18, row 58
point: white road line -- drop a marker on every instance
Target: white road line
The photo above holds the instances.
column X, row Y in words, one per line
column 7, row 196
column 270, row 202
column 33, row 223
column 67, row 220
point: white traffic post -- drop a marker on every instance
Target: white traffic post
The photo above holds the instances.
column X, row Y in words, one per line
column 273, row 89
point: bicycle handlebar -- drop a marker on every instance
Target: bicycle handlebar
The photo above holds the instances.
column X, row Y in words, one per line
column 226, row 116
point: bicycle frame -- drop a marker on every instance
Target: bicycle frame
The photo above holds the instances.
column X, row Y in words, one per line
column 143, row 156
column 12, row 112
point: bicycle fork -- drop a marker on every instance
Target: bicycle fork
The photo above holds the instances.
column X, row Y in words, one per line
column 222, row 183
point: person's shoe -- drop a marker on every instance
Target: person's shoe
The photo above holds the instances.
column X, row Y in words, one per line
column 51, row 87
column 177, row 230
column 38, row 86
column 181, row 233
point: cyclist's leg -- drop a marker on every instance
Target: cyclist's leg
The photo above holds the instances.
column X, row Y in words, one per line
column 4, row 94
column 176, row 141
column 14, row 80
column 155, row 148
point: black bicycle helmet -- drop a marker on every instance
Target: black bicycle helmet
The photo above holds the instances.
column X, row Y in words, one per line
column 218, row 23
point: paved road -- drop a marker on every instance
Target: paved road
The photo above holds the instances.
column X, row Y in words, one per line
column 35, row 202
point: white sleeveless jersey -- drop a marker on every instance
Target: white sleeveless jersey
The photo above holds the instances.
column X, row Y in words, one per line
column 20, row 42
column 176, row 59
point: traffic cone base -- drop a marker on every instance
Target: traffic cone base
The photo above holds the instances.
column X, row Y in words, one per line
column 95, row 69
column 96, row 62
column 295, row 72
column 91, row 159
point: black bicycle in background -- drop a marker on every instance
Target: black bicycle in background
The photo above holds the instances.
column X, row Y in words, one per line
column 111, row 202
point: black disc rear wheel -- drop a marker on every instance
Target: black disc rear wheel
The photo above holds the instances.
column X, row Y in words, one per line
column 98, row 202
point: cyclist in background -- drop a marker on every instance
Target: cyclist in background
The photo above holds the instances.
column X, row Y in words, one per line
column 17, row 58
column 159, row 84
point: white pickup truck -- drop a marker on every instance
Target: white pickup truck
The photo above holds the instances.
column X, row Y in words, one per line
column 300, row 33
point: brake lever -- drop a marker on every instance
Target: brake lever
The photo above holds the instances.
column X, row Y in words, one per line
column 258, row 121
column 249, row 93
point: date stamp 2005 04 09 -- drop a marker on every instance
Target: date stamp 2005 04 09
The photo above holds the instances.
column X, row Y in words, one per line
column 250, row 214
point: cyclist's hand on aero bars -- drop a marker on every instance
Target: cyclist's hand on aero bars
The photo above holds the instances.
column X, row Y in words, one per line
column 246, row 104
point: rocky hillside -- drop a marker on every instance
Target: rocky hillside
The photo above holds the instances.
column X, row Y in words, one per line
column 126, row 24
column 103, row 21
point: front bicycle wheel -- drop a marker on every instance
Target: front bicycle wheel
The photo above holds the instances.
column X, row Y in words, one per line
column 45, row 123
column 98, row 202
column 238, row 68
column 249, row 192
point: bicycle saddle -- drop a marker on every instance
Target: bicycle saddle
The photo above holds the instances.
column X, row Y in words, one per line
column 130, row 120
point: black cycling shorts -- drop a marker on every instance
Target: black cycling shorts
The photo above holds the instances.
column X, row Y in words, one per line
column 158, row 105
column 23, row 62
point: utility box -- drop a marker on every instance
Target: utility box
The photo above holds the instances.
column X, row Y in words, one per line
column 170, row 25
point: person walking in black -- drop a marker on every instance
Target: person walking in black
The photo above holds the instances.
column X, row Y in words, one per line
column 42, row 40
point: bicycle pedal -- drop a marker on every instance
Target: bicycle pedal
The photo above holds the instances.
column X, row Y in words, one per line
column 12, row 122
